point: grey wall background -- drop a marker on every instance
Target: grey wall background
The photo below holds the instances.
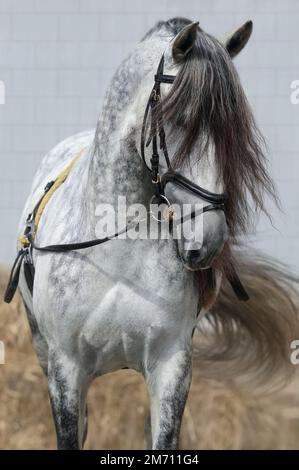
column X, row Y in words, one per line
column 56, row 59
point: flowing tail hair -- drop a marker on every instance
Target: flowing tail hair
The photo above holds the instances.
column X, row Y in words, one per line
column 251, row 341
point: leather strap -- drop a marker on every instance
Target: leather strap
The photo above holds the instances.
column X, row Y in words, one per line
column 180, row 180
column 236, row 284
column 64, row 247
column 14, row 276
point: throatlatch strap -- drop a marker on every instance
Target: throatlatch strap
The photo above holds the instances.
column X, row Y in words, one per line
column 236, row 284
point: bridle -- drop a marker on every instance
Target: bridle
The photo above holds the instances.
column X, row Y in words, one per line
column 216, row 201
column 157, row 132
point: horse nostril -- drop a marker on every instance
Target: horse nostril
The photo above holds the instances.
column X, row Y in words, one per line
column 194, row 256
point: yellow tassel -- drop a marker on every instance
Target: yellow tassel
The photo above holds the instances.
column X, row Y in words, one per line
column 24, row 242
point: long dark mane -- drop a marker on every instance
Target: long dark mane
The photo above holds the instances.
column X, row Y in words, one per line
column 207, row 106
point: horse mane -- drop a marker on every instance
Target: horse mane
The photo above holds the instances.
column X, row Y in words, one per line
column 206, row 106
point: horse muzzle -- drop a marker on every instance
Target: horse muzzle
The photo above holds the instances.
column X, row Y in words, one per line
column 201, row 254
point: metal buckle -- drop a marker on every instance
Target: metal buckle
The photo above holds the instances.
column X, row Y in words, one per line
column 29, row 230
column 168, row 213
column 155, row 95
column 157, row 181
column 24, row 242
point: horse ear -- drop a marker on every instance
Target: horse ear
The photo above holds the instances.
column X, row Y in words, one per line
column 235, row 42
column 184, row 41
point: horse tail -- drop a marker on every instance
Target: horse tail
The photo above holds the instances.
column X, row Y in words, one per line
column 251, row 341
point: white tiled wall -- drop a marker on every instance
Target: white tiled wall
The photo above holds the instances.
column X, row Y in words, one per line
column 56, row 58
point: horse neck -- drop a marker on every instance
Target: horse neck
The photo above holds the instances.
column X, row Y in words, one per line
column 116, row 168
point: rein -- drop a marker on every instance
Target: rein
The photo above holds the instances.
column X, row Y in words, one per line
column 216, row 201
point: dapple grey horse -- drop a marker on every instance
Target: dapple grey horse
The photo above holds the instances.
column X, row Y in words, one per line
column 134, row 303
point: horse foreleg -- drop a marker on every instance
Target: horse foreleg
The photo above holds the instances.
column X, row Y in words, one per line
column 169, row 384
column 39, row 343
column 67, row 390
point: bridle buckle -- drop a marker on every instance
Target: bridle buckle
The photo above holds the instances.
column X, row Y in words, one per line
column 158, row 179
column 168, row 212
column 155, row 95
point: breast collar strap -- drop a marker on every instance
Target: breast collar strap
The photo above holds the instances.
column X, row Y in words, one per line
column 156, row 130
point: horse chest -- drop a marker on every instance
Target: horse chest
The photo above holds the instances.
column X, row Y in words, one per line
column 129, row 330
column 120, row 319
